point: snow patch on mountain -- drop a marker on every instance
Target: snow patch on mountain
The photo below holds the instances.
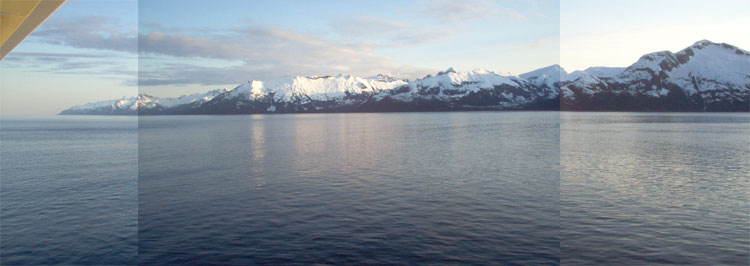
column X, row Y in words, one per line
column 604, row 72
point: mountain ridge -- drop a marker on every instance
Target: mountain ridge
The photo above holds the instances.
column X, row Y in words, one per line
column 705, row 76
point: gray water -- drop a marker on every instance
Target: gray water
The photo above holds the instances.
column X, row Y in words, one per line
column 68, row 190
column 387, row 188
column 400, row 188
column 655, row 188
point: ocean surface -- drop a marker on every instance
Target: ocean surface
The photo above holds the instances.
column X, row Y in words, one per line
column 68, row 190
column 377, row 188
column 655, row 188
column 452, row 188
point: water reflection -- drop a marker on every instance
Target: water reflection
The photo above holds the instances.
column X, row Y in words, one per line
column 654, row 188
column 258, row 150
column 350, row 189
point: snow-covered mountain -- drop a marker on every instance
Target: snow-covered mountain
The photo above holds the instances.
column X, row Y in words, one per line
column 703, row 77
column 122, row 106
column 447, row 90
column 144, row 104
column 549, row 76
column 706, row 76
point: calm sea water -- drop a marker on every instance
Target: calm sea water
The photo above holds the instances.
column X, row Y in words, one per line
column 640, row 188
column 68, row 190
column 402, row 188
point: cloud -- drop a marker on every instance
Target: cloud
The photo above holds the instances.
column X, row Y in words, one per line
column 187, row 74
column 181, row 74
column 389, row 33
column 174, row 55
column 21, row 55
column 111, row 48
column 260, row 45
column 189, row 46
column 110, row 65
column 452, row 11
column 445, row 20
column 359, row 25
column 255, row 52
column 92, row 32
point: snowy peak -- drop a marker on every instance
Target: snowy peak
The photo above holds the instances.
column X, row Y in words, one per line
column 706, row 43
column 708, row 66
column 545, row 71
column 704, row 52
column 383, row 77
column 447, row 71
column 702, row 43
column 250, row 89
column 546, row 76
column 471, row 81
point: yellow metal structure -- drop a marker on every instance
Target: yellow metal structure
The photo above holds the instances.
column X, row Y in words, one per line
column 18, row 18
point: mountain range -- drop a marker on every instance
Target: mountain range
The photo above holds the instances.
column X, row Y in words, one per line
column 705, row 76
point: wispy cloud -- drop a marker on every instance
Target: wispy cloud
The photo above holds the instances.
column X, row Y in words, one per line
column 21, row 55
column 384, row 32
column 188, row 74
column 92, row 32
column 109, row 65
column 247, row 52
column 265, row 46
column 263, row 52
column 360, row 25
column 444, row 19
column 189, row 46
column 106, row 48
column 452, row 11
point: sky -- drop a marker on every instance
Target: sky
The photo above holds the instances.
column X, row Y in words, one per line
column 86, row 51
column 617, row 32
column 202, row 45
column 93, row 50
